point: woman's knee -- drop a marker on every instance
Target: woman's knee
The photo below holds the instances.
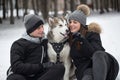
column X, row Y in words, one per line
column 99, row 54
column 15, row 77
column 87, row 77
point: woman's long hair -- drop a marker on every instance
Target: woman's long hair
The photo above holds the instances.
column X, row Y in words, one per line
column 83, row 31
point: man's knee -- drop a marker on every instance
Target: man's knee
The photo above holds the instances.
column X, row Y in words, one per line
column 15, row 77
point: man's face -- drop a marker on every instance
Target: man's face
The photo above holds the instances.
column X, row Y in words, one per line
column 39, row 32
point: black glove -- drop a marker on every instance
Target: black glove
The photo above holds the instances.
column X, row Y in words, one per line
column 48, row 65
column 78, row 37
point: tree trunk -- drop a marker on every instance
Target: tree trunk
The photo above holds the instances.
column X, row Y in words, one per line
column 37, row 6
column 83, row 1
column 0, row 9
column 118, row 5
column 4, row 9
column 65, row 6
column 96, row 3
column 0, row 20
column 11, row 12
column 44, row 9
column 17, row 9
column 101, row 6
column 56, row 8
column 33, row 5
column 25, row 6
column 72, row 5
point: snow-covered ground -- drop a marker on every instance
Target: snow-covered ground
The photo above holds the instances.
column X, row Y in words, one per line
column 110, row 37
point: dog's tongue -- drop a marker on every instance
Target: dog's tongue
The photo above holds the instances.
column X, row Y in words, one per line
column 66, row 35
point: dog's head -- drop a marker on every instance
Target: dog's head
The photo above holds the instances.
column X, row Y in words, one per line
column 58, row 29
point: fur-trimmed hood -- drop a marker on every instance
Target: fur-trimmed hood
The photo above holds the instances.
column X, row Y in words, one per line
column 94, row 27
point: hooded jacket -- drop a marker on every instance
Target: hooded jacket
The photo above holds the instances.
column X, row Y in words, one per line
column 91, row 43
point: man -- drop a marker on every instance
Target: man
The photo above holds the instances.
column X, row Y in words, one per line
column 28, row 55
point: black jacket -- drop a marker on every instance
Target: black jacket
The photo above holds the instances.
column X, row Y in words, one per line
column 90, row 44
column 27, row 57
column 82, row 58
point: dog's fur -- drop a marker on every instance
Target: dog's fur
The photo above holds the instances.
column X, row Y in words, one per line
column 57, row 33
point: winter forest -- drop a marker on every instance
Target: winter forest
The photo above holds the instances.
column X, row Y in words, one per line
column 12, row 12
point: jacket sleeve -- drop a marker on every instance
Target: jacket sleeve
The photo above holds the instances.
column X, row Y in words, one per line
column 92, row 43
column 17, row 61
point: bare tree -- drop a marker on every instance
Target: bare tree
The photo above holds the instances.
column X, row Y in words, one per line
column 0, row 9
column 65, row 6
column 25, row 6
column 83, row 1
column 72, row 5
column 37, row 5
column 44, row 9
column 4, row 9
column 117, row 2
column 33, row 5
column 11, row 12
column 55, row 7
column 17, row 8
column 118, row 5
column 0, row 20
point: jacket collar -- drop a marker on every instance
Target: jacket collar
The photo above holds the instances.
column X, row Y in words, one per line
column 32, row 39
column 94, row 27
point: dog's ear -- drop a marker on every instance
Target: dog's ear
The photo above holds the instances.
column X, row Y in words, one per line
column 66, row 15
column 50, row 21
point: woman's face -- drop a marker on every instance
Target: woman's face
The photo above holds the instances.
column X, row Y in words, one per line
column 74, row 26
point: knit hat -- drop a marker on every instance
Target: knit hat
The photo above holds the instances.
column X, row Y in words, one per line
column 80, row 14
column 32, row 22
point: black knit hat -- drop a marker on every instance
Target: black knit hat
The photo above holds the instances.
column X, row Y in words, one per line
column 32, row 22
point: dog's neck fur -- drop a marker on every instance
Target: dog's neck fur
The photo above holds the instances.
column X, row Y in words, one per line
column 50, row 36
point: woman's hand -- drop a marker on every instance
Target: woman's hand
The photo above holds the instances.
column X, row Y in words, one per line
column 78, row 36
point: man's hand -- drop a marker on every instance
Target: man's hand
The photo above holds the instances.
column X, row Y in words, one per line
column 48, row 65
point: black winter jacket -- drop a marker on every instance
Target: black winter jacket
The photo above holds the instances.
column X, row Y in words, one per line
column 91, row 43
column 27, row 57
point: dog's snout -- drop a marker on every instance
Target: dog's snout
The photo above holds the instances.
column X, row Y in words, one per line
column 67, row 30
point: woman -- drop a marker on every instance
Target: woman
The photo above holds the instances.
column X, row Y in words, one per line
column 28, row 58
column 87, row 52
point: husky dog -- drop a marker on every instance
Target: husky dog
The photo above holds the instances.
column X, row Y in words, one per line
column 58, row 46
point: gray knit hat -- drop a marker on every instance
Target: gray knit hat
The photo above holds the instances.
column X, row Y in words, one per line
column 80, row 14
column 32, row 22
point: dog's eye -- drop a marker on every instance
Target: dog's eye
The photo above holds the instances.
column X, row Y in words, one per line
column 60, row 25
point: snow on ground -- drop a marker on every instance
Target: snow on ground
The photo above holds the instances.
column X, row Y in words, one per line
column 110, row 37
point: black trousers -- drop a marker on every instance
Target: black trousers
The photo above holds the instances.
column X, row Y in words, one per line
column 104, row 67
column 54, row 73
